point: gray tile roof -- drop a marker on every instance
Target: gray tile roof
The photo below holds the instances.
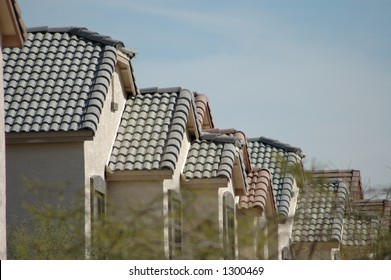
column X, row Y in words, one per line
column 211, row 158
column 274, row 155
column 360, row 231
column 151, row 131
column 58, row 80
column 320, row 211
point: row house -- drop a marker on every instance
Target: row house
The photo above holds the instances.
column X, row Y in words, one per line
column 151, row 175
column 145, row 173
column 333, row 220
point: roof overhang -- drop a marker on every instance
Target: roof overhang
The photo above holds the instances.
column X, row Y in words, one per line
column 49, row 137
column 192, row 125
column 205, row 183
column 126, row 72
column 239, row 182
column 12, row 28
column 138, row 175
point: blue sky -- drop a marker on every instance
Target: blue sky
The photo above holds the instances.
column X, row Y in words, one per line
column 312, row 73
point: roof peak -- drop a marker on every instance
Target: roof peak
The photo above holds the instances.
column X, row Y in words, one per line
column 160, row 90
column 221, row 138
column 81, row 32
column 277, row 144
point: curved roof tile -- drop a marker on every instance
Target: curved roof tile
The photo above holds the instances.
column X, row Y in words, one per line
column 321, row 206
column 151, row 130
column 260, row 190
column 276, row 156
column 65, row 71
column 210, row 159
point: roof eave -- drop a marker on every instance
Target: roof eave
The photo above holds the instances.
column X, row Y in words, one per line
column 126, row 73
column 203, row 183
column 49, row 137
column 12, row 27
column 138, row 175
column 240, row 185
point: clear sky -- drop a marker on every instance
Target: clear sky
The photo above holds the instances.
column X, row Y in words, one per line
column 311, row 73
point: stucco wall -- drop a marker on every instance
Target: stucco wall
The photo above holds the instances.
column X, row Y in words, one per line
column 174, row 184
column 285, row 230
column 50, row 178
column 139, row 204
column 314, row 250
column 201, row 223
column 3, row 242
column 43, row 173
column 97, row 151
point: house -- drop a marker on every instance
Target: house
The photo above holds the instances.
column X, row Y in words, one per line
column 127, row 173
column 149, row 162
column 333, row 221
column 12, row 34
column 65, row 91
column 284, row 163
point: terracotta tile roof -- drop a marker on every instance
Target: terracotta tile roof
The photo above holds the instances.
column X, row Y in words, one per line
column 58, row 80
column 319, row 212
column 212, row 157
column 152, row 127
column 374, row 207
column 260, row 191
column 351, row 177
column 272, row 154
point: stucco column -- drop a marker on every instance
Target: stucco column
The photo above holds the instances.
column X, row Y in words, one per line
column 3, row 239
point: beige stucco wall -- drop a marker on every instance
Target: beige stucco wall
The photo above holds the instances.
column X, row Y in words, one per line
column 285, row 230
column 134, row 202
column 148, row 195
column 51, row 170
column 253, row 237
column 203, row 220
column 97, row 151
column 174, row 184
column 201, row 223
column 3, row 242
column 314, row 250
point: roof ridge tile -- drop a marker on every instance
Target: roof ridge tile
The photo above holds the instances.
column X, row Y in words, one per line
column 277, row 144
column 81, row 32
column 160, row 90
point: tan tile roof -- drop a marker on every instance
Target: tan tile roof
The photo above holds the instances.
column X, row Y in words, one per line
column 260, row 191
column 204, row 116
column 351, row 177
column 374, row 207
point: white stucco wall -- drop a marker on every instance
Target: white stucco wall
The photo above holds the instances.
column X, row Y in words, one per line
column 97, row 151
column 3, row 240
column 285, row 230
